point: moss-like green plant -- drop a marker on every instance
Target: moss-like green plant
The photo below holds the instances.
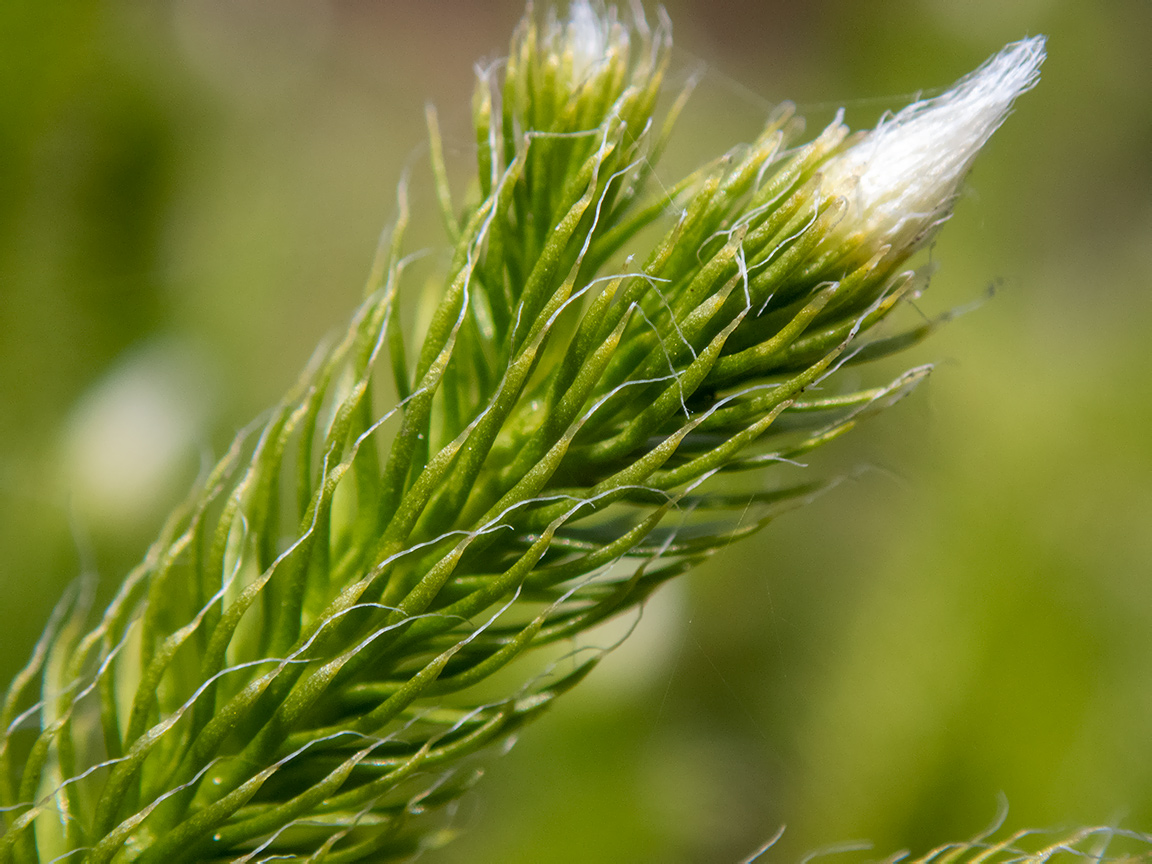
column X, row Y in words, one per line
column 306, row 659
column 1022, row 847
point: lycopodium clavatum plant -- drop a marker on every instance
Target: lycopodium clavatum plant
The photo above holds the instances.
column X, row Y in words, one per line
column 593, row 400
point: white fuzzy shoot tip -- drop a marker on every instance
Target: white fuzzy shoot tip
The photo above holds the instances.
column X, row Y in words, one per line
column 590, row 32
column 901, row 179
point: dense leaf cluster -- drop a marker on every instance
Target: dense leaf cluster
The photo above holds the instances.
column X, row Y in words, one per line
column 305, row 660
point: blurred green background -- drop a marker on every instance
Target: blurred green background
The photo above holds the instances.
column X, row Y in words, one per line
column 190, row 195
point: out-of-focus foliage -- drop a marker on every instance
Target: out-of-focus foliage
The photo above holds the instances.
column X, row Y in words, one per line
column 202, row 181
